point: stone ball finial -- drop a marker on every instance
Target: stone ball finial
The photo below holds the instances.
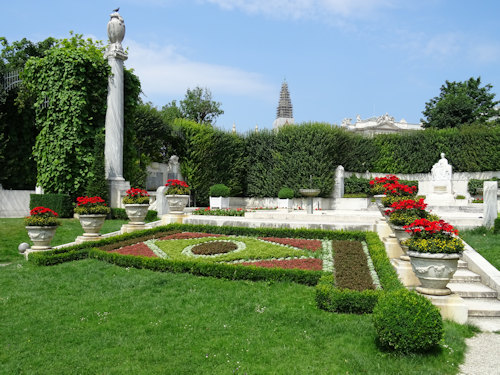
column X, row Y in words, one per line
column 116, row 28
column 23, row 247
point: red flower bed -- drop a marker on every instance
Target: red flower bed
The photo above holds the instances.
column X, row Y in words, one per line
column 188, row 235
column 312, row 245
column 139, row 249
column 312, row 264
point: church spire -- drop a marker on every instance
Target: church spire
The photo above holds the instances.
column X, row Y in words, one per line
column 284, row 112
column 285, row 109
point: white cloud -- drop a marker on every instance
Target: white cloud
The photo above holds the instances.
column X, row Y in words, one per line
column 162, row 70
column 305, row 8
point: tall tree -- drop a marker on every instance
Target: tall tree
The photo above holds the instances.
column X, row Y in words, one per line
column 199, row 107
column 461, row 103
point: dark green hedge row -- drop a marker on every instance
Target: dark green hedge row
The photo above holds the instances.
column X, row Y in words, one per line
column 260, row 164
column 60, row 203
column 329, row 297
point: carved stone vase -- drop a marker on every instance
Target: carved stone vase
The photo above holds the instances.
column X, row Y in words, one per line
column 434, row 271
column 41, row 236
column 136, row 213
column 92, row 224
column 177, row 203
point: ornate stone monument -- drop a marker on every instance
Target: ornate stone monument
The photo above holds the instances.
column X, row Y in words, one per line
column 113, row 150
column 441, row 184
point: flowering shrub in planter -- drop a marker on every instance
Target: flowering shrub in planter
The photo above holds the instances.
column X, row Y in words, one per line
column 405, row 212
column 91, row 206
column 433, row 237
column 136, row 196
column 41, row 217
column 377, row 184
column 177, row 187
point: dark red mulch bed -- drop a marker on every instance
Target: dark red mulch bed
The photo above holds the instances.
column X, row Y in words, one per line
column 312, row 245
column 313, row 264
column 139, row 249
column 188, row 235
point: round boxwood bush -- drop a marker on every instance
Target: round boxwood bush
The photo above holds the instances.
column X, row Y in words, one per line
column 285, row 193
column 219, row 190
column 407, row 322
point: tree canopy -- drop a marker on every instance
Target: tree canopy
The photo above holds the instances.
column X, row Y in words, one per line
column 461, row 103
column 199, row 107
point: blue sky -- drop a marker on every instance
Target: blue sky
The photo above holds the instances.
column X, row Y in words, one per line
column 340, row 57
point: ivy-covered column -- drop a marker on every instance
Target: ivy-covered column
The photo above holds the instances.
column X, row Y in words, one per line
column 113, row 149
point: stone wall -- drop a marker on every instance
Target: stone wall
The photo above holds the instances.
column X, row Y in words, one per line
column 15, row 203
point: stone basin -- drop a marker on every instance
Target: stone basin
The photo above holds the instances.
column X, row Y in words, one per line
column 309, row 192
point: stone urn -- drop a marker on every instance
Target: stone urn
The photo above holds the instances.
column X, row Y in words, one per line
column 400, row 233
column 136, row 213
column 177, row 203
column 41, row 236
column 434, row 271
column 92, row 224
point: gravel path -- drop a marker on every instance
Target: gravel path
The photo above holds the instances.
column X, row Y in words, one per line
column 482, row 356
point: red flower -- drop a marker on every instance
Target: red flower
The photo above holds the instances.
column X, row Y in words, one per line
column 136, row 192
column 82, row 201
column 43, row 212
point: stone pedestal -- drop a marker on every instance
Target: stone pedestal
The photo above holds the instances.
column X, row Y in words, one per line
column 117, row 189
column 490, row 206
column 173, row 218
column 82, row 239
column 392, row 247
column 129, row 228
column 451, row 307
column 405, row 273
column 383, row 229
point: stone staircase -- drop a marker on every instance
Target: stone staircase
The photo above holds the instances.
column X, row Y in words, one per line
column 481, row 300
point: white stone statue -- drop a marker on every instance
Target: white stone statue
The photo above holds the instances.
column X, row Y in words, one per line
column 385, row 118
column 358, row 118
column 441, row 170
column 346, row 122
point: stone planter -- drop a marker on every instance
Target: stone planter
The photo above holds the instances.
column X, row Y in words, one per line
column 378, row 199
column 92, row 224
column 285, row 204
column 136, row 213
column 177, row 203
column 41, row 237
column 434, row 271
column 218, row 202
column 400, row 233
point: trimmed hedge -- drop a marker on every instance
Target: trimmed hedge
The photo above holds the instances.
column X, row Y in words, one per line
column 407, row 322
column 60, row 203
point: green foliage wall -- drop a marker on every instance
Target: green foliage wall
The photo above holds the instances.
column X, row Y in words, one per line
column 73, row 78
column 259, row 164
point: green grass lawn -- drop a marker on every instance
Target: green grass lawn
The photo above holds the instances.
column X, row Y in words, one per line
column 13, row 232
column 485, row 243
column 91, row 317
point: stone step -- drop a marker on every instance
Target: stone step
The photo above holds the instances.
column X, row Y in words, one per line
column 465, row 275
column 484, row 307
column 472, row 290
column 486, row 324
column 462, row 264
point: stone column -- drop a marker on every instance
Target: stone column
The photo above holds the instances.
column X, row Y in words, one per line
column 113, row 150
column 490, row 206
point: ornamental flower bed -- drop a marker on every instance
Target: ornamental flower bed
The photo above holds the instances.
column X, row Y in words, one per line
column 301, row 264
column 300, row 243
column 41, row 217
column 139, row 249
column 136, row 196
column 219, row 212
column 91, row 206
column 351, row 266
column 433, row 237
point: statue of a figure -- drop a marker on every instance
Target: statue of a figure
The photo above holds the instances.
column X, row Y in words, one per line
column 346, row 122
column 358, row 118
column 441, row 170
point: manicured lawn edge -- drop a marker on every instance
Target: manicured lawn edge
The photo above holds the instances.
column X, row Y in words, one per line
column 341, row 300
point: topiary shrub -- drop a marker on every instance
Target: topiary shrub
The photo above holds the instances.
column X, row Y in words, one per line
column 407, row 322
column 285, row 193
column 219, row 190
